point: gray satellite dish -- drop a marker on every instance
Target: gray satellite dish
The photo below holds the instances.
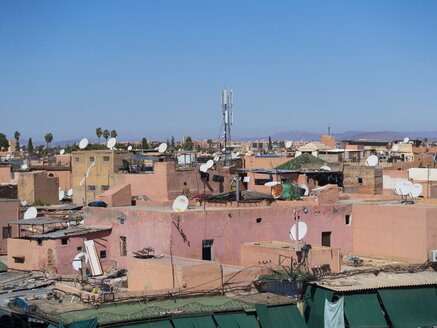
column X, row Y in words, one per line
column 271, row 183
column 77, row 261
column 203, row 168
column 372, row 160
column 406, row 140
column 162, row 148
column 70, row 192
column 416, row 190
column 303, row 229
column 111, row 143
column 288, row 144
column 61, row 195
column 180, row 204
column 83, row 143
column 31, row 213
column 62, row 152
column 395, row 148
column 210, row 163
column 24, row 167
column 129, row 148
column 307, row 190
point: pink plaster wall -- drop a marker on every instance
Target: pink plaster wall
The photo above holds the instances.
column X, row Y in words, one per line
column 5, row 174
column 396, row 231
column 9, row 211
column 64, row 179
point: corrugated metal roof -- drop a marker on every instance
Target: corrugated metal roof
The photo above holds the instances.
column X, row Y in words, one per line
column 43, row 220
column 365, row 281
column 69, row 232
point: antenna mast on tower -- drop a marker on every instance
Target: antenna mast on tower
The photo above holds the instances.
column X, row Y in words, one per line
column 228, row 119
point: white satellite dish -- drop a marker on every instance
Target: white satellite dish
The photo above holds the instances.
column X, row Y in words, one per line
column 246, row 179
column 303, row 229
column 416, row 190
column 307, row 190
column 325, row 168
column 61, row 194
column 83, row 143
column 77, row 261
column 203, row 168
column 70, row 192
column 406, row 140
column 406, row 187
column 24, row 203
column 288, row 144
column 372, row 160
column 30, row 213
column 180, row 204
column 162, row 147
column 24, row 167
column 111, row 143
column 395, row 148
column 271, row 183
column 210, row 163
column 62, row 152
column 129, row 148
column 8, row 156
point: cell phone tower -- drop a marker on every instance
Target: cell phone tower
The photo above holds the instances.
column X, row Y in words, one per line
column 228, row 120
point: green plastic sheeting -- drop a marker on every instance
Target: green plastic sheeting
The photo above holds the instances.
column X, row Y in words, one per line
column 236, row 320
column 314, row 305
column 81, row 324
column 416, row 307
column 155, row 324
column 283, row 316
column 194, row 322
column 363, row 310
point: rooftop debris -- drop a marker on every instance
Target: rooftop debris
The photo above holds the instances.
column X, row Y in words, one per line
column 298, row 162
column 245, row 196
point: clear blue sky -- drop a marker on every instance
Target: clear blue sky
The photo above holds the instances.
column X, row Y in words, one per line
column 156, row 68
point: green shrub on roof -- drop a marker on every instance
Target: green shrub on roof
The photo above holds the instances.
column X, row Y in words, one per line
column 298, row 162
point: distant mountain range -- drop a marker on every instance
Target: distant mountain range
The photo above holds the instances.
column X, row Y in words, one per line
column 356, row 135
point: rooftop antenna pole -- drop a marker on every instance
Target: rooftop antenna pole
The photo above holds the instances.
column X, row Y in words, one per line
column 329, row 130
column 228, row 119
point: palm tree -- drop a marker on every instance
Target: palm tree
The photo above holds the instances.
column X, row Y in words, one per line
column 48, row 138
column 106, row 134
column 113, row 134
column 99, row 133
column 17, row 137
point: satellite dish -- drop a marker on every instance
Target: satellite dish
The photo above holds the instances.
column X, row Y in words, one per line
column 395, row 148
column 24, row 167
column 129, row 148
column 210, row 163
column 271, row 183
column 398, row 187
column 61, row 194
column 83, row 143
column 307, row 190
column 325, row 168
column 77, row 261
column 180, row 204
column 62, row 152
column 406, row 187
column 111, row 143
column 70, row 192
column 30, row 213
column 203, row 168
column 288, row 144
column 406, row 140
column 24, row 203
column 416, row 190
column 162, row 147
column 303, row 229
column 8, row 156
column 372, row 160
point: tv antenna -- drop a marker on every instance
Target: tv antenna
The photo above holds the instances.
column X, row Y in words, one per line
column 228, row 119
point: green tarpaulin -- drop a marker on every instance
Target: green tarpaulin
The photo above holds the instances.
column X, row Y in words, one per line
column 415, row 307
column 194, row 322
column 154, row 324
column 283, row 316
column 364, row 310
column 314, row 305
column 236, row 320
column 81, row 324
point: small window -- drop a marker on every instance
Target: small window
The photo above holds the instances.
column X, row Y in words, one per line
column 39, row 242
column 103, row 254
column 77, row 159
column 326, row 238
column 360, row 180
column 123, row 246
column 207, row 249
column 64, row 241
column 106, row 158
column 91, row 187
column 92, row 159
column 105, row 187
column 51, row 175
column 6, row 232
column 259, row 220
column 79, row 248
column 348, row 219
column 19, row 259
column 261, row 182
